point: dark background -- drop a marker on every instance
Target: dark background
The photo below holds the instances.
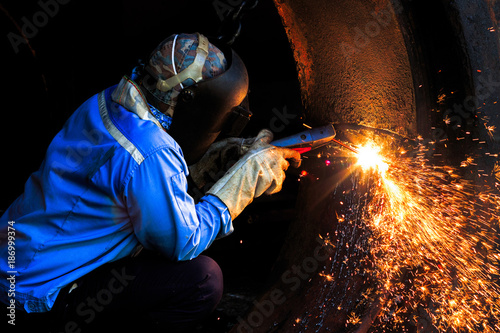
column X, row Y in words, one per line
column 79, row 48
column 88, row 45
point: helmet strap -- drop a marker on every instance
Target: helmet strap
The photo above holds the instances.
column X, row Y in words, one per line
column 173, row 58
column 193, row 71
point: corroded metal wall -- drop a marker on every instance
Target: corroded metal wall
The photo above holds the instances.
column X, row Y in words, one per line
column 352, row 62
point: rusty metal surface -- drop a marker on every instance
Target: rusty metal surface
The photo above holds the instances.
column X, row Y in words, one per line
column 352, row 62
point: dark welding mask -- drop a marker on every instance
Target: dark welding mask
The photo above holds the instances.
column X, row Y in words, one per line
column 210, row 108
column 202, row 87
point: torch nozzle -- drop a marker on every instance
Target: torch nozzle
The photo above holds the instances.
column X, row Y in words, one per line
column 354, row 150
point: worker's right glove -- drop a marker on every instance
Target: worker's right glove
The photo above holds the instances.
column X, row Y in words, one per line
column 260, row 170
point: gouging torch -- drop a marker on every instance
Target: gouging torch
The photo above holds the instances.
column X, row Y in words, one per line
column 311, row 139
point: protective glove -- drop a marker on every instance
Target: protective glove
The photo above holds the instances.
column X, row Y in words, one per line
column 260, row 170
column 219, row 157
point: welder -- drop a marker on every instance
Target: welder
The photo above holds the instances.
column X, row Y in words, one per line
column 105, row 231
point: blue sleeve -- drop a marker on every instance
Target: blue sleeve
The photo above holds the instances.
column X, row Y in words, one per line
column 165, row 217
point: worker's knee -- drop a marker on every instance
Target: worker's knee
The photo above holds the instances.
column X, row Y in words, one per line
column 210, row 287
column 202, row 291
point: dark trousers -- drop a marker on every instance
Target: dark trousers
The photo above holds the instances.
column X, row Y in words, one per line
column 143, row 294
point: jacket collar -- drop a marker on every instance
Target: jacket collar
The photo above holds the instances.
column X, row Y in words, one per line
column 128, row 95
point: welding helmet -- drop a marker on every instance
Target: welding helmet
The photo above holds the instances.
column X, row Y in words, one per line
column 200, row 90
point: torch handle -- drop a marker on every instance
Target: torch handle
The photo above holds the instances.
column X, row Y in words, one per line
column 308, row 139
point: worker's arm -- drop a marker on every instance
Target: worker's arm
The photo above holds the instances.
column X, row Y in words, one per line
column 165, row 217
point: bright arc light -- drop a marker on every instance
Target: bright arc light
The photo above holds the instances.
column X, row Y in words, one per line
column 368, row 158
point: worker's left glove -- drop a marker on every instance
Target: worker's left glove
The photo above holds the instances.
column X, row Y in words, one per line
column 261, row 170
column 220, row 156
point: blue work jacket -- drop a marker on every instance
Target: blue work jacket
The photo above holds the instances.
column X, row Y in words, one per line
column 112, row 180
